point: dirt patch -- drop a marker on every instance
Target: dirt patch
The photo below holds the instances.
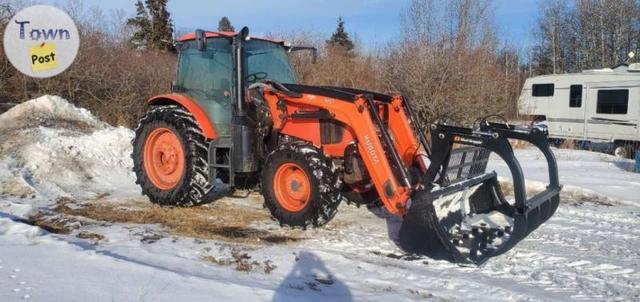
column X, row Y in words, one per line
column 568, row 144
column 16, row 188
column 53, row 223
column 93, row 237
column 221, row 221
column 242, row 262
column 46, row 121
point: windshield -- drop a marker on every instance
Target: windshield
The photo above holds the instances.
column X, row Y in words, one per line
column 267, row 60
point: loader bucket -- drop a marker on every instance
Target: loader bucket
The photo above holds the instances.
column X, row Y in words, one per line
column 463, row 215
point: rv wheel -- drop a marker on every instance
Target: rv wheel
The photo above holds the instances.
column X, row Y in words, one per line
column 624, row 151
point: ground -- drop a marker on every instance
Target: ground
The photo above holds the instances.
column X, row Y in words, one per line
column 74, row 227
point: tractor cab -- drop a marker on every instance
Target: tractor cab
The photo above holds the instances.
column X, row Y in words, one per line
column 215, row 70
column 212, row 65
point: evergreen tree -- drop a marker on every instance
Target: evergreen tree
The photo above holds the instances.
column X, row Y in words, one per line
column 153, row 24
column 225, row 25
column 340, row 38
column 142, row 24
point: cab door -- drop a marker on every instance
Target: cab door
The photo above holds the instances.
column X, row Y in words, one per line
column 207, row 77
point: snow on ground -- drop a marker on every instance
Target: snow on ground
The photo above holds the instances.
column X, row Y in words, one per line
column 61, row 168
column 585, row 173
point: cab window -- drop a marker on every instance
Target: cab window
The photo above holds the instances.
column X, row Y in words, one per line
column 207, row 77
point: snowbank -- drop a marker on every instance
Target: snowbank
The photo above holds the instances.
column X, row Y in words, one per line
column 45, row 109
column 584, row 174
column 49, row 149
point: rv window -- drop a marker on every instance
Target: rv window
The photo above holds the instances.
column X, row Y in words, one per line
column 575, row 96
column 613, row 101
column 542, row 89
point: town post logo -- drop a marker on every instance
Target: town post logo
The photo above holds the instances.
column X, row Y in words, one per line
column 41, row 41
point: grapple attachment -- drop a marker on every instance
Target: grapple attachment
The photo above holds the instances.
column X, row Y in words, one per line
column 462, row 214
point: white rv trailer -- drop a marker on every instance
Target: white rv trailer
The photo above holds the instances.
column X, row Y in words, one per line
column 596, row 105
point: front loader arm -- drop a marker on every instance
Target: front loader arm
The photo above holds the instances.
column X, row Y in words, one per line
column 362, row 119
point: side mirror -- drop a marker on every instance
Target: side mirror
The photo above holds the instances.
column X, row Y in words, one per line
column 313, row 50
column 244, row 33
column 201, row 38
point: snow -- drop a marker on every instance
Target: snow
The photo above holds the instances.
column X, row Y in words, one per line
column 52, row 151
column 44, row 108
column 75, row 155
column 584, row 174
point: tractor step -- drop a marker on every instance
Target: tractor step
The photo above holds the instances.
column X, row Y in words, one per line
column 220, row 160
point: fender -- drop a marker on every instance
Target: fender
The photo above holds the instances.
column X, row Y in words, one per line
column 190, row 105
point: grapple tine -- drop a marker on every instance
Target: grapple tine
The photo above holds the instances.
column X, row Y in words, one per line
column 467, row 219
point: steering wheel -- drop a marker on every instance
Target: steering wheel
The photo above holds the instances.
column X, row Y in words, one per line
column 254, row 77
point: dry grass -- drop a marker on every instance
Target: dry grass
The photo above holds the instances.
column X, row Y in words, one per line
column 518, row 144
column 93, row 237
column 219, row 221
column 568, row 144
column 242, row 262
column 53, row 223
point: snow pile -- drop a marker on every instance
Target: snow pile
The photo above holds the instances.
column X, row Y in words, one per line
column 44, row 110
column 584, row 175
column 51, row 149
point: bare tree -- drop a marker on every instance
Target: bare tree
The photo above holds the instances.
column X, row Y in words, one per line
column 450, row 62
column 585, row 34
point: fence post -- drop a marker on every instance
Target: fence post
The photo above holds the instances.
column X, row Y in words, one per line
column 638, row 161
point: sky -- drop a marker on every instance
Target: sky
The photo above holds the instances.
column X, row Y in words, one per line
column 373, row 22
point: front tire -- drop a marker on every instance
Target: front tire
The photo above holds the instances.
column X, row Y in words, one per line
column 300, row 188
column 170, row 158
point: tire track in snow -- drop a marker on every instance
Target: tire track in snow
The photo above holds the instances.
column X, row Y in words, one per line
column 582, row 252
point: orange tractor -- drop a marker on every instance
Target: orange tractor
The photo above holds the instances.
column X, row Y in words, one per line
column 236, row 116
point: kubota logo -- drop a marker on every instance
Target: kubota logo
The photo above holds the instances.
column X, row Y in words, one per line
column 371, row 149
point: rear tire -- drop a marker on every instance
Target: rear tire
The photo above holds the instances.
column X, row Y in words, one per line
column 299, row 186
column 188, row 185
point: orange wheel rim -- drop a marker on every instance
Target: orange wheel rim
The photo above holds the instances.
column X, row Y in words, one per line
column 163, row 158
column 292, row 187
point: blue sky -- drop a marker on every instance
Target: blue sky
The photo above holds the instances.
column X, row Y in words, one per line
column 374, row 21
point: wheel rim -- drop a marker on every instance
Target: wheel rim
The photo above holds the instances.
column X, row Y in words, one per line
column 292, row 187
column 164, row 158
column 620, row 152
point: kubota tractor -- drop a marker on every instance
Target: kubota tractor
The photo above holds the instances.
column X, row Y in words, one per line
column 236, row 116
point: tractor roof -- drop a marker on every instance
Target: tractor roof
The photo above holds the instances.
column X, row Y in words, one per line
column 221, row 34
